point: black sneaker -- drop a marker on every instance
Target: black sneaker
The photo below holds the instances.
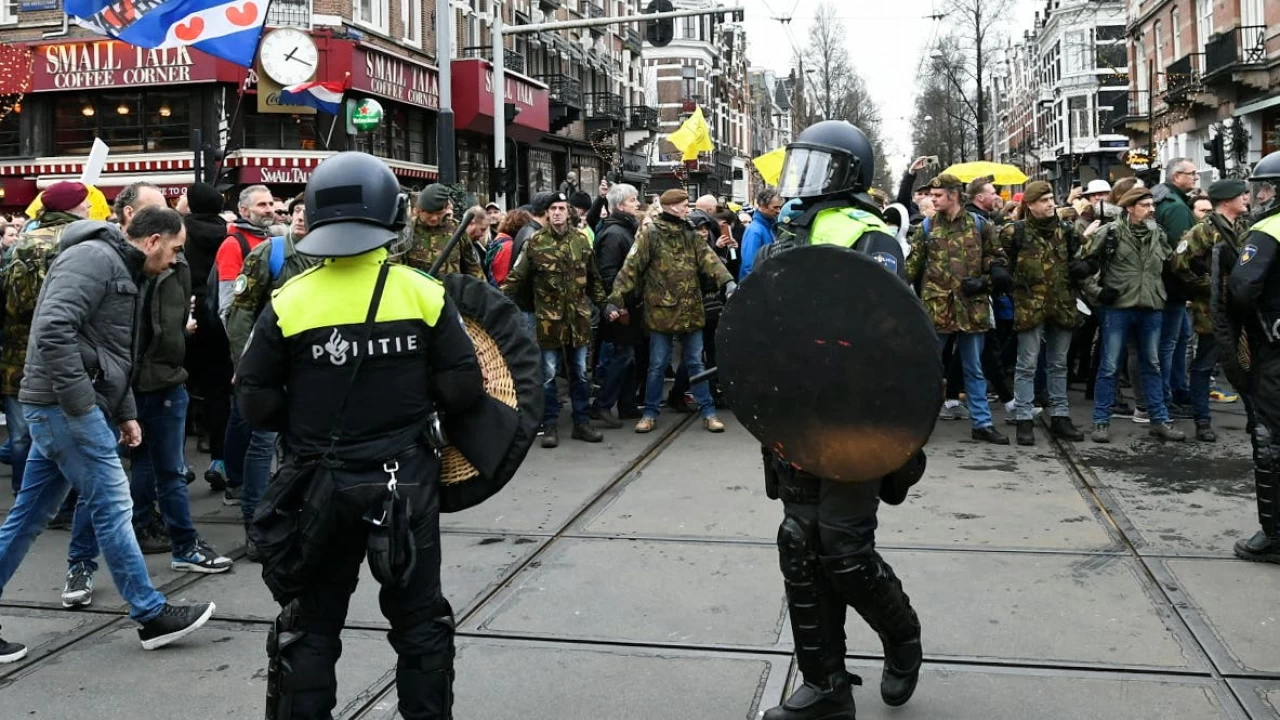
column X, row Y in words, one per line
column 990, row 435
column 605, row 419
column 1179, row 412
column 231, row 495
column 78, row 592
column 216, row 475
column 174, row 623
column 11, row 652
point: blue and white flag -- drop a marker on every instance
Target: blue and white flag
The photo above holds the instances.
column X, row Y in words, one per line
column 229, row 30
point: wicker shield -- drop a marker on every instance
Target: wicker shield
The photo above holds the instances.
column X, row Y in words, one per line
column 831, row 362
column 488, row 443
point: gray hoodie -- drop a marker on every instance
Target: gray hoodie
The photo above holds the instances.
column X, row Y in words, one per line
column 84, row 331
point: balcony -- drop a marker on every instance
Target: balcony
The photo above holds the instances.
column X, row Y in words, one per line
column 563, row 89
column 592, row 10
column 1236, row 50
column 631, row 41
column 1131, row 113
column 1182, row 76
column 551, row 5
column 604, row 106
column 294, row 13
column 512, row 61
column 643, row 118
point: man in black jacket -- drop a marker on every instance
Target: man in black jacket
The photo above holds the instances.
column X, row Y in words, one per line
column 89, row 309
column 618, row 346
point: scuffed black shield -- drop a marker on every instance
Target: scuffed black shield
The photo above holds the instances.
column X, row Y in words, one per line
column 488, row 443
column 831, row 361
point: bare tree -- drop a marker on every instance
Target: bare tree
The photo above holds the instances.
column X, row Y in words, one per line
column 975, row 24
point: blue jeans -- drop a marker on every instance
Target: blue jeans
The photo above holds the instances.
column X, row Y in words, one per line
column 618, row 360
column 19, row 437
column 661, row 345
column 579, row 390
column 84, row 449
column 160, row 464
column 1056, row 343
column 1117, row 324
column 1201, row 370
column 249, row 454
column 969, row 345
column 1175, row 332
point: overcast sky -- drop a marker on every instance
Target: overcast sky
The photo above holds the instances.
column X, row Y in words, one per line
column 886, row 39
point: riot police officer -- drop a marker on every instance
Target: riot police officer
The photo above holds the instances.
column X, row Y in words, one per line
column 1253, row 293
column 826, row 543
column 349, row 363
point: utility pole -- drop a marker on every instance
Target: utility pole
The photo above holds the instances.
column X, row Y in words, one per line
column 447, row 163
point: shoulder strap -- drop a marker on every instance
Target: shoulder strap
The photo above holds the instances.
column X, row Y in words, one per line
column 925, row 225
column 244, row 243
column 275, row 261
column 365, row 332
column 1019, row 237
column 978, row 221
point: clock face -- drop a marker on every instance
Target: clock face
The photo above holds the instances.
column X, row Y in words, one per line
column 289, row 56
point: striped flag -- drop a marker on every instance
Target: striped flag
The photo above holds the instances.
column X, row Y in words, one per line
column 323, row 96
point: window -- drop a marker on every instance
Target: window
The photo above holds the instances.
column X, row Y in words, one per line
column 689, row 28
column 10, row 137
column 372, row 13
column 1160, row 69
column 295, row 13
column 411, row 20
column 1078, row 107
column 130, row 122
column 8, row 12
column 1141, row 69
column 1177, row 33
column 689, row 74
column 1079, row 51
column 282, row 132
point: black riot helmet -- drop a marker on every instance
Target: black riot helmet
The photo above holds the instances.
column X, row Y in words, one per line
column 354, row 205
column 1264, row 183
column 832, row 157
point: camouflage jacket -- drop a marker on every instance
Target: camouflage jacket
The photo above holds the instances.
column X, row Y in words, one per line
column 665, row 264
column 254, row 286
column 1192, row 257
column 1042, row 289
column 427, row 244
column 559, row 272
column 954, row 250
column 23, row 276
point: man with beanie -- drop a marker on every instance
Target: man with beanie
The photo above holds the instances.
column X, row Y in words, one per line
column 558, row 270
column 433, row 227
column 580, row 203
column 1040, row 248
column 207, row 362
column 61, row 204
column 1191, row 264
column 666, row 265
column 1126, row 261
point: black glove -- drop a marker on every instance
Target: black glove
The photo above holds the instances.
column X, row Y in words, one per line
column 1199, row 265
column 1108, row 296
column 1001, row 280
column 1079, row 269
column 973, row 286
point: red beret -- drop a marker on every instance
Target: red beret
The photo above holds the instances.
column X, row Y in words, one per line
column 63, row 196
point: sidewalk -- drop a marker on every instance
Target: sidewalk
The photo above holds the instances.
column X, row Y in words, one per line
column 637, row 579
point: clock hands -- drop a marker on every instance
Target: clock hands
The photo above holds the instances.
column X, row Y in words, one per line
column 300, row 60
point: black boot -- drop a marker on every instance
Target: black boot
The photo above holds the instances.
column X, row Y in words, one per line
column 810, row 702
column 868, row 584
column 1264, row 546
column 587, row 433
column 551, row 437
column 989, row 434
column 1026, row 433
column 1062, row 427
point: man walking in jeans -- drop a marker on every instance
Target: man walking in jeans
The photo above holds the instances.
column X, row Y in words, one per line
column 1128, row 259
column 89, row 309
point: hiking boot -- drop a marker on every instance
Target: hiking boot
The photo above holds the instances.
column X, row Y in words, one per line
column 646, row 425
column 200, row 559
column 78, row 592
column 1101, row 433
column 11, row 652
column 174, row 623
column 1026, row 433
column 216, row 475
column 1258, row 548
column 605, row 419
column 1062, row 427
column 1166, row 431
column 1205, row 433
column 989, row 434
column 551, row 437
column 586, row 433
column 713, row 424
column 231, row 495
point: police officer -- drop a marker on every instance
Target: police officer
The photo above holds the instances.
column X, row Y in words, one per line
column 1253, row 292
column 826, row 543
column 385, row 337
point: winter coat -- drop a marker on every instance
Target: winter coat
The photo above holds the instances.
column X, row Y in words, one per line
column 617, row 235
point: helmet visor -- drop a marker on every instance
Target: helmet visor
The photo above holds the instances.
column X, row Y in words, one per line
column 812, row 172
column 1262, row 195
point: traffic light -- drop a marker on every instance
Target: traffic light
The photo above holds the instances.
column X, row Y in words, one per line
column 660, row 33
column 1217, row 157
column 510, row 110
column 506, row 182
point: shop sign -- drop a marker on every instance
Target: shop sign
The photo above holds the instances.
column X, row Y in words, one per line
column 473, row 101
column 275, row 176
column 396, row 78
column 366, row 115
column 27, row 6
column 110, row 64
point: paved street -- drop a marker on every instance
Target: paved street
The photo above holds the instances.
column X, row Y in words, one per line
column 637, row 580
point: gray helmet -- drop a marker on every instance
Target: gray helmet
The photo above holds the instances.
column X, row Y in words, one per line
column 354, row 205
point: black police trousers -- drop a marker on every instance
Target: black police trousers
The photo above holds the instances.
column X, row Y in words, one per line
column 307, row 633
column 1262, row 403
column 826, row 545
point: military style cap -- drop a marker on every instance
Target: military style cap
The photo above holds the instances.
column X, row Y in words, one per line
column 1229, row 189
column 946, row 181
column 674, row 196
column 1036, row 190
column 1134, row 196
column 433, row 198
column 543, row 201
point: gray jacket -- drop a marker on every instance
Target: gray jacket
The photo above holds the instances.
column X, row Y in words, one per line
column 84, row 333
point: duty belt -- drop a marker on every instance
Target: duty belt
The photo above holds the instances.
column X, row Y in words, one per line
column 799, row 488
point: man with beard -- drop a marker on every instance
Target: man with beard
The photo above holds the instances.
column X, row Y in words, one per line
column 256, row 215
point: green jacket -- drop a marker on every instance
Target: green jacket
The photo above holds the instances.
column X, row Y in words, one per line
column 160, row 364
column 1042, row 289
column 23, row 276
column 1192, row 259
column 956, row 250
column 1131, row 260
column 665, row 263
column 1173, row 213
column 559, row 272
column 254, row 287
column 429, row 242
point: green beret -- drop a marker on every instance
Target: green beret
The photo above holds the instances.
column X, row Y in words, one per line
column 1229, row 189
column 433, row 198
column 946, row 181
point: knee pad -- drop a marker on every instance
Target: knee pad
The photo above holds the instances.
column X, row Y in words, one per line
column 1266, row 455
column 797, row 548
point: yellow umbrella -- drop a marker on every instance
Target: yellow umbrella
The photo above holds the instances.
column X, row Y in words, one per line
column 770, row 165
column 1002, row 174
column 99, row 208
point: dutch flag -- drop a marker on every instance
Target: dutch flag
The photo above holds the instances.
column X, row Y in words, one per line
column 323, row 96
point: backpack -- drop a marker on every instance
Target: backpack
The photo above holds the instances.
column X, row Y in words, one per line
column 211, row 297
column 24, row 272
column 492, row 252
column 918, row 283
column 275, row 257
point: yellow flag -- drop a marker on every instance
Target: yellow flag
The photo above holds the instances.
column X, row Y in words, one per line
column 693, row 137
column 770, row 165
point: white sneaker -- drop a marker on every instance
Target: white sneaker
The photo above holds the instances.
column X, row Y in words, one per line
column 78, row 592
column 1009, row 415
column 953, row 410
column 1141, row 417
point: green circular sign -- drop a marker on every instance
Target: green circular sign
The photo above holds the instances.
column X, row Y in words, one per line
column 367, row 114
